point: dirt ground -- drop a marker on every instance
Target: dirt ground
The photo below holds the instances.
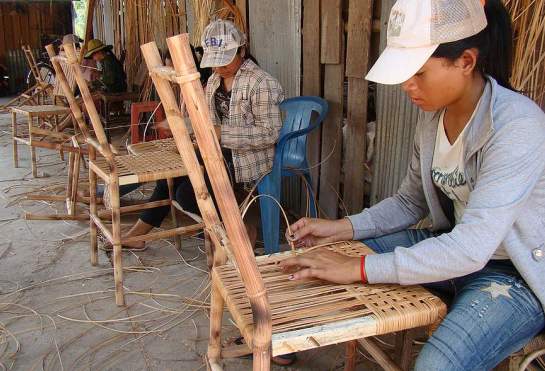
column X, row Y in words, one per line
column 57, row 312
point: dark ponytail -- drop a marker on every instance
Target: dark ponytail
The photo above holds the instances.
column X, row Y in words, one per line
column 495, row 45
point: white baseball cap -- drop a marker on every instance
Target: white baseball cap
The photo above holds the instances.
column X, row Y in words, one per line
column 220, row 41
column 415, row 30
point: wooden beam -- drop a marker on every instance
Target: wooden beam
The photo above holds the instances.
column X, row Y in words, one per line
column 332, row 139
column 312, row 79
column 88, row 27
column 360, row 15
column 332, row 31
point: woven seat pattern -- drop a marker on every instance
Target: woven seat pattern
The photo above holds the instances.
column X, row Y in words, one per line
column 144, row 167
column 300, row 305
column 154, row 146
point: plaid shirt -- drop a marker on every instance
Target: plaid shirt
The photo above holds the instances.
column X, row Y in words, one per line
column 254, row 121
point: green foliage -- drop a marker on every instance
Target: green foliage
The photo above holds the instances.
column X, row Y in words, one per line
column 80, row 8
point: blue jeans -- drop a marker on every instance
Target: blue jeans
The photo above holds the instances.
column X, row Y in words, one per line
column 492, row 313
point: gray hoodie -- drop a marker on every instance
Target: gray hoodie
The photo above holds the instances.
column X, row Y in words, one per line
column 505, row 170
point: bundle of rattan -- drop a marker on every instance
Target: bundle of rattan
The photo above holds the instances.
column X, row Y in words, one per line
column 529, row 27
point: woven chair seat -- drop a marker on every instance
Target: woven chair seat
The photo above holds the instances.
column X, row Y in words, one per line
column 154, row 146
column 305, row 314
column 145, row 167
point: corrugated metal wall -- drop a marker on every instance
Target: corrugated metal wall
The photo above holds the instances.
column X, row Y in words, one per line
column 396, row 123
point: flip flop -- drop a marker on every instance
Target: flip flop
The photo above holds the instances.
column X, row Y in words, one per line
column 109, row 248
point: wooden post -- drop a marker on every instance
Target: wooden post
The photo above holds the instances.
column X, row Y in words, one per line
column 360, row 14
column 332, row 31
column 312, row 79
column 332, row 139
column 88, row 27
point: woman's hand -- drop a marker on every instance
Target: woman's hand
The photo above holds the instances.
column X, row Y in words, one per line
column 311, row 232
column 325, row 265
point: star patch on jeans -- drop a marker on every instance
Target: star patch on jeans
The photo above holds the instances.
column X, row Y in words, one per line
column 497, row 290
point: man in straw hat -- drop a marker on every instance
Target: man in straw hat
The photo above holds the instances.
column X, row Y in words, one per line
column 113, row 78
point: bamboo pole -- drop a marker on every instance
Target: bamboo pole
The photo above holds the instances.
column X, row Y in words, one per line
column 204, row 199
column 194, row 99
column 88, row 27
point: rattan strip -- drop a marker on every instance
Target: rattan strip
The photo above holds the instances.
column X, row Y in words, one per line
column 296, row 305
column 154, row 146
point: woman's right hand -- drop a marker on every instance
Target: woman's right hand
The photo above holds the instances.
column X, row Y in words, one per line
column 308, row 232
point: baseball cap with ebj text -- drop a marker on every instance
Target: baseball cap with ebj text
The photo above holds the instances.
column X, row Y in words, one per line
column 220, row 41
column 415, row 30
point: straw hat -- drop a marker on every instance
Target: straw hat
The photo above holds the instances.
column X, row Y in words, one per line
column 95, row 45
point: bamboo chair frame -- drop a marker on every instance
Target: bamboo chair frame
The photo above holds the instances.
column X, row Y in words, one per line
column 50, row 118
column 275, row 316
column 36, row 94
column 116, row 170
column 66, row 81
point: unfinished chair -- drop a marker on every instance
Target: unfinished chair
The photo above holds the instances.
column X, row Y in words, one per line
column 36, row 94
column 65, row 81
column 117, row 170
column 275, row 316
column 44, row 122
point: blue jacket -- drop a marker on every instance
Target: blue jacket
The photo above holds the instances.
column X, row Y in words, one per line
column 504, row 167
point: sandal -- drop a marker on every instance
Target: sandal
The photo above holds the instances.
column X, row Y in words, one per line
column 109, row 248
column 281, row 360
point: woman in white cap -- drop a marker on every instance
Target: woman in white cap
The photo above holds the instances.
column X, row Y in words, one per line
column 478, row 172
column 244, row 103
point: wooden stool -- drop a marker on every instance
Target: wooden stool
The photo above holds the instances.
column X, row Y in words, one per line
column 44, row 134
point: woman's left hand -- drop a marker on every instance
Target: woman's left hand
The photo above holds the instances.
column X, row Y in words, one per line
column 325, row 265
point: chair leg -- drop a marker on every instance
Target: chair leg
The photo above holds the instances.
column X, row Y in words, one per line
column 75, row 183
column 177, row 238
column 93, row 210
column 404, row 346
column 216, row 317
column 69, row 195
column 116, row 234
column 350, row 356
column 32, row 149
column 14, row 142
column 209, row 249
column 270, row 214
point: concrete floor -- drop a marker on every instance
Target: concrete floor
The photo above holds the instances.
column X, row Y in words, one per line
column 57, row 312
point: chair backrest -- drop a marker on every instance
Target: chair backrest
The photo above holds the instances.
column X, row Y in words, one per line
column 62, row 67
column 291, row 150
column 103, row 146
column 70, row 77
column 29, row 56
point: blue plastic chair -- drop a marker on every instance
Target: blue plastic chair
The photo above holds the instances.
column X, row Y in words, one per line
column 290, row 159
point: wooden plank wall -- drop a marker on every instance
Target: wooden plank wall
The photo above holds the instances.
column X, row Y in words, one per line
column 396, row 124
column 23, row 23
column 336, row 48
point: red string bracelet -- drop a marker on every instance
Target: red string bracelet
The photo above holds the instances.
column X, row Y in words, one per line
column 362, row 269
